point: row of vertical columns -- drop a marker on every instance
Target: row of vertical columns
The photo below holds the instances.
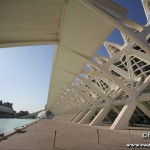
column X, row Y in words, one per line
column 67, row 117
column 74, row 116
column 144, row 109
column 80, row 116
column 87, row 117
column 122, row 120
column 101, row 115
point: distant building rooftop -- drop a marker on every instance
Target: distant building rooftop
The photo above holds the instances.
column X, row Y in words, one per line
column 6, row 110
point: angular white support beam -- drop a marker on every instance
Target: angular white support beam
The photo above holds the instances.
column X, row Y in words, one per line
column 63, row 117
column 144, row 109
column 122, row 120
column 101, row 115
column 67, row 116
column 116, row 110
column 74, row 116
column 87, row 117
column 144, row 97
column 80, row 116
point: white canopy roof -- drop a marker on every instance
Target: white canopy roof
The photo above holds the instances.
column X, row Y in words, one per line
column 29, row 22
column 77, row 27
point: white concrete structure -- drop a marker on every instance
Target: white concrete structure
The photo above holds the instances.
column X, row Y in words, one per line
column 108, row 90
column 113, row 86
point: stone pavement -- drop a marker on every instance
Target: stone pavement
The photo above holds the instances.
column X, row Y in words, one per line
column 70, row 136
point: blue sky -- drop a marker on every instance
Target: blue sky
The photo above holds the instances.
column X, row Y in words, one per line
column 25, row 75
column 135, row 13
column 25, row 71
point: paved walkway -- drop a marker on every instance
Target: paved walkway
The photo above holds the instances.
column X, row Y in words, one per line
column 70, row 137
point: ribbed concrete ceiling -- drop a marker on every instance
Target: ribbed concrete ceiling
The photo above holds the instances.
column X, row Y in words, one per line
column 24, row 22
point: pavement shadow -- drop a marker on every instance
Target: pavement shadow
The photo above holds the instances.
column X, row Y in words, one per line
column 57, row 148
column 22, row 131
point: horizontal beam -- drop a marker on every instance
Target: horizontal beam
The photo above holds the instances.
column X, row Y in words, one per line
column 18, row 44
column 144, row 97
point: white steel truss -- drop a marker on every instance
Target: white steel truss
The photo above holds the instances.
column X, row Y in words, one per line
column 118, row 85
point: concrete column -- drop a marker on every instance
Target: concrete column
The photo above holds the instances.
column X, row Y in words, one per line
column 143, row 108
column 101, row 115
column 114, row 109
column 122, row 120
column 62, row 117
column 66, row 117
column 87, row 117
column 74, row 116
column 69, row 117
column 77, row 116
column 81, row 115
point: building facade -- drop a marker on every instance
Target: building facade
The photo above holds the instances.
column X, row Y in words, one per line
column 6, row 110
